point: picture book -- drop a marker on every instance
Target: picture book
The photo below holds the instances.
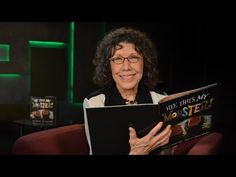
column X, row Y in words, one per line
column 43, row 109
column 190, row 113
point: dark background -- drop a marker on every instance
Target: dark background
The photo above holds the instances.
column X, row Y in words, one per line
column 193, row 53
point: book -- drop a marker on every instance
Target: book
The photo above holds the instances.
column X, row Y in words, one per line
column 191, row 114
column 43, row 110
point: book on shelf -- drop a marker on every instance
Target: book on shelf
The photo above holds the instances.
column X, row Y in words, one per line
column 190, row 113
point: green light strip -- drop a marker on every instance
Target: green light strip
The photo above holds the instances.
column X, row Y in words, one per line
column 30, row 67
column 71, row 63
column 10, row 75
column 47, row 44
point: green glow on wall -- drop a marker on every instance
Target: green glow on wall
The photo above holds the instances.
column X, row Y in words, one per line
column 10, row 75
column 71, row 48
column 4, row 52
column 30, row 67
column 47, row 44
column 71, row 63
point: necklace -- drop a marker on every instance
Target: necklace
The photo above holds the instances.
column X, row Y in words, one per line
column 130, row 101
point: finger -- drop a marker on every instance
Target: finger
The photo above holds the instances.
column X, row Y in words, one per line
column 165, row 133
column 132, row 133
column 164, row 140
column 154, row 131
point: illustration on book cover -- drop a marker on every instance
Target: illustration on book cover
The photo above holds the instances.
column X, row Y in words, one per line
column 43, row 109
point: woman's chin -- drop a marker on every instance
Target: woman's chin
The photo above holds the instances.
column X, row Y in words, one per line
column 127, row 86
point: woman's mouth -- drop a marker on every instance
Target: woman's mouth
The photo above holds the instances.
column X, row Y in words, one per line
column 127, row 77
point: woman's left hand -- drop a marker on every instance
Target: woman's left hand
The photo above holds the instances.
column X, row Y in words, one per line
column 146, row 144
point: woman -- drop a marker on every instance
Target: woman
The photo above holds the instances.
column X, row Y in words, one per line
column 125, row 62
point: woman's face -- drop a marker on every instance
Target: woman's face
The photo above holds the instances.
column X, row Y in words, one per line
column 127, row 74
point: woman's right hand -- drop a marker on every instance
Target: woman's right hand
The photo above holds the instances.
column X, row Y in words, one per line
column 148, row 143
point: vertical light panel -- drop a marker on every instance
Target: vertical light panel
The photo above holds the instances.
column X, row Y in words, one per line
column 4, row 52
column 71, row 63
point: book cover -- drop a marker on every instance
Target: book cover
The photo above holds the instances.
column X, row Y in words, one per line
column 191, row 114
column 43, row 109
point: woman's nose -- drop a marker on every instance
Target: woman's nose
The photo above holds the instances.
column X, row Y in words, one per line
column 126, row 64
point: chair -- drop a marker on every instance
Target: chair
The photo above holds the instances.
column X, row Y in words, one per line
column 71, row 139
column 205, row 145
column 64, row 140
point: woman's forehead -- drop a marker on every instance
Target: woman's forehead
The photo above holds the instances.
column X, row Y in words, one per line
column 126, row 46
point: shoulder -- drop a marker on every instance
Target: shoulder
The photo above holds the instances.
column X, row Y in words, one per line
column 95, row 99
column 156, row 97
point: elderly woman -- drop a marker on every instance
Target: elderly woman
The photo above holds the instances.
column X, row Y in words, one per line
column 126, row 70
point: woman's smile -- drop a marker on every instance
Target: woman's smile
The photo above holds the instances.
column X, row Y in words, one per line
column 127, row 77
